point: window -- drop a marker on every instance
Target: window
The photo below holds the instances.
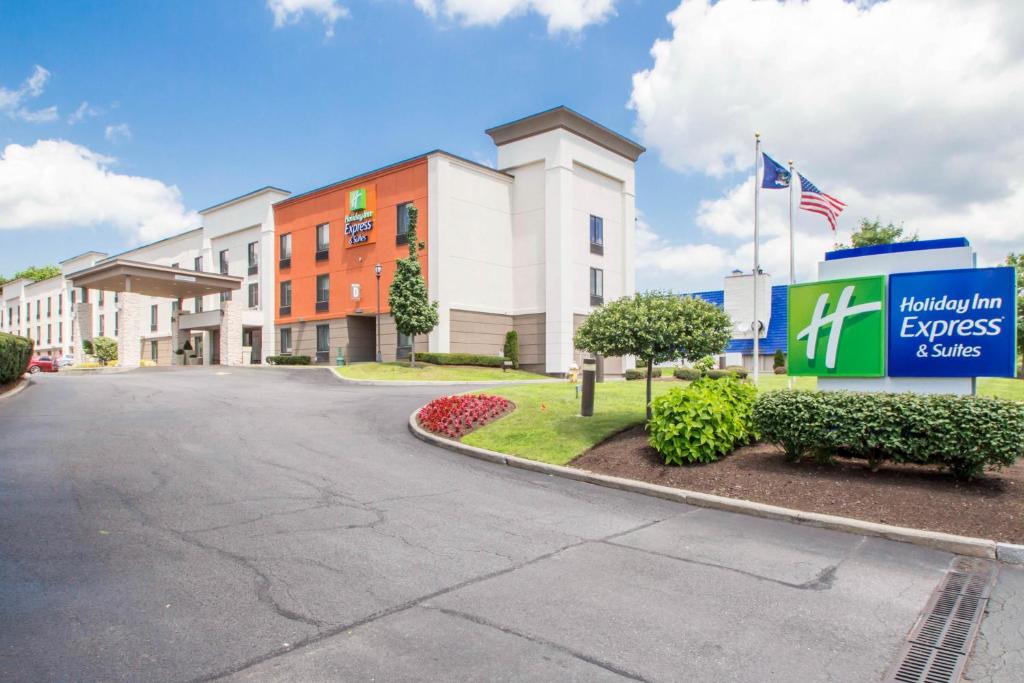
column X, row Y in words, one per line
column 49, row 306
column 197, row 304
column 323, row 241
column 286, row 298
column 49, row 329
column 223, row 261
column 402, row 222
column 254, row 294
column 254, row 257
column 225, row 296
column 286, row 340
column 596, row 235
column 153, row 350
column 85, row 295
column 73, row 292
column 60, row 303
column 117, row 296
column 153, row 312
column 38, row 338
column 175, row 307
column 323, row 343
column 102, row 320
column 286, row 251
column 323, row 293
column 404, row 346
column 596, row 286
column 60, row 333
column 175, row 265
column 37, row 308
column 197, row 263
column 99, row 299
column 117, row 322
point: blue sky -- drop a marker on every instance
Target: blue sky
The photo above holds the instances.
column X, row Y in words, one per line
column 216, row 99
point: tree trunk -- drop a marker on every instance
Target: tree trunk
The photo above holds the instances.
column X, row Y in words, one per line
column 412, row 351
column 650, row 373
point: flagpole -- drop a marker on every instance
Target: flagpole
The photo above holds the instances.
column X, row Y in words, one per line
column 757, row 264
column 792, row 247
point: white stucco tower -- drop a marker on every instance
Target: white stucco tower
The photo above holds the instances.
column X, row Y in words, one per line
column 568, row 172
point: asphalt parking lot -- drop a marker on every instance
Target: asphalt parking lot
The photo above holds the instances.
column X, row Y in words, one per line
column 276, row 524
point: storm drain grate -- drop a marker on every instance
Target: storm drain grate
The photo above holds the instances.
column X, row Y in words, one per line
column 937, row 647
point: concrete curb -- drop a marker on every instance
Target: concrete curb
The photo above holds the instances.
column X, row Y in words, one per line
column 960, row 545
column 410, row 383
column 22, row 382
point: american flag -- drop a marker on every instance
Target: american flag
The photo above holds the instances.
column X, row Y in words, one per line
column 813, row 199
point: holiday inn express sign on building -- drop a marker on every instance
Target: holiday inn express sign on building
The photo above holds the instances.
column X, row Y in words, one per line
column 948, row 323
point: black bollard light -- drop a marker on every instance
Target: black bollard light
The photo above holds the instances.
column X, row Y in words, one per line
column 589, row 376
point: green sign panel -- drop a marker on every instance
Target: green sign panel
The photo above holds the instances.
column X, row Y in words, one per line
column 357, row 200
column 837, row 328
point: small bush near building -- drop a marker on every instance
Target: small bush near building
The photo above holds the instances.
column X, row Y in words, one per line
column 511, row 349
column 288, row 360
column 461, row 359
column 962, row 434
column 738, row 370
column 687, row 374
column 15, row 354
column 701, row 422
column 781, row 370
column 456, row 416
column 634, row 374
column 779, row 361
column 105, row 349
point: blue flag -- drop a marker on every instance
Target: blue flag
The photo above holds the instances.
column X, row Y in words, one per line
column 776, row 176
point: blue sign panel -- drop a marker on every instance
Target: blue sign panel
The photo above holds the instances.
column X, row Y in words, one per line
column 953, row 323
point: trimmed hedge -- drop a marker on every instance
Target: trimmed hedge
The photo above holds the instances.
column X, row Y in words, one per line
column 962, row 434
column 460, row 359
column 703, row 421
column 15, row 354
column 641, row 373
column 288, row 360
column 687, row 374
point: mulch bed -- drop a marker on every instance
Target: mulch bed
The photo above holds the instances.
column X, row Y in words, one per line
column 991, row 506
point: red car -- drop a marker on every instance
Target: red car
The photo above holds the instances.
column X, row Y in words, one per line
column 42, row 364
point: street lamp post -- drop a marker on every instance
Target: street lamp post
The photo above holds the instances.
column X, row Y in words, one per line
column 377, row 269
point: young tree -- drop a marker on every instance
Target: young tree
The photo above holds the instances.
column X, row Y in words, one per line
column 37, row 273
column 411, row 307
column 105, row 349
column 870, row 233
column 1017, row 261
column 655, row 327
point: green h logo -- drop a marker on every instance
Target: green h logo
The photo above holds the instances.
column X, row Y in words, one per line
column 357, row 200
column 837, row 328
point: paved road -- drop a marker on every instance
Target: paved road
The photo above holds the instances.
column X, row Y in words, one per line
column 274, row 524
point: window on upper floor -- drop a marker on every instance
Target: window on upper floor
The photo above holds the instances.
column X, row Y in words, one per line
column 254, row 257
column 254, row 294
column 285, row 248
column 323, row 293
column 402, row 223
column 596, row 235
column 285, row 302
column 197, row 263
column 596, row 286
column 323, row 241
column 222, row 260
column 153, row 313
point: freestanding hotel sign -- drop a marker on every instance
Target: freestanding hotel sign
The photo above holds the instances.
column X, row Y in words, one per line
column 924, row 330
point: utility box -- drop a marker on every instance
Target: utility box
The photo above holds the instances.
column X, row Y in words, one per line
column 340, row 358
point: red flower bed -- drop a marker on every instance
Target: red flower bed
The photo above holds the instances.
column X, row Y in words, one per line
column 456, row 416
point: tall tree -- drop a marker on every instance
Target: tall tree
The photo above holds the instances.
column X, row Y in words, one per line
column 655, row 327
column 870, row 233
column 411, row 307
column 1017, row 261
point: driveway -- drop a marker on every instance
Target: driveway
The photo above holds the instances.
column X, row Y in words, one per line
column 275, row 524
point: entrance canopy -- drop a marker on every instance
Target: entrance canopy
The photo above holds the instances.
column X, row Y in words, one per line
column 122, row 275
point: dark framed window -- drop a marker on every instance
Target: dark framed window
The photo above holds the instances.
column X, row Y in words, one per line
column 404, row 347
column 60, row 303
column 103, row 320
column 49, row 329
column 596, row 286
column 198, row 304
column 285, row 246
column 254, row 294
column 285, row 300
column 37, row 307
column 222, row 261
column 153, row 350
column 323, row 293
column 175, row 265
column 402, row 223
column 117, row 322
column 175, row 307
column 197, row 263
column 286, row 340
column 323, row 343
column 153, row 313
column 225, row 296
column 60, row 333
column 254, row 257
column 49, row 306
column 323, row 241
column 596, row 235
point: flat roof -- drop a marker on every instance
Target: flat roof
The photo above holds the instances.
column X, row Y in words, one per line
column 572, row 121
column 897, row 247
column 265, row 188
column 118, row 275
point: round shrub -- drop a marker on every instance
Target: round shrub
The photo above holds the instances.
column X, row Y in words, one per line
column 635, row 374
column 780, row 370
column 738, row 370
column 701, row 422
column 15, row 354
column 687, row 374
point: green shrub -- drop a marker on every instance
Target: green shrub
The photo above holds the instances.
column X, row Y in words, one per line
column 701, row 422
column 719, row 374
column 15, row 354
column 779, row 361
column 738, row 370
column 635, row 373
column 962, row 434
column 688, row 374
column 781, row 370
column 288, row 360
column 460, row 359
column 105, row 349
column 511, row 349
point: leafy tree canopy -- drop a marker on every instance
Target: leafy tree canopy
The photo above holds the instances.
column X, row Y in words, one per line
column 411, row 307
column 34, row 273
column 1017, row 261
column 870, row 233
column 105, row 349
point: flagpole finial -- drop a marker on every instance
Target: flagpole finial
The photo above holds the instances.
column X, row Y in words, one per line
column 757, row 135
column 791, row 163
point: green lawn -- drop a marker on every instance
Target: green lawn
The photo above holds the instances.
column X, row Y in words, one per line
column 547, row 426
column 424, row 372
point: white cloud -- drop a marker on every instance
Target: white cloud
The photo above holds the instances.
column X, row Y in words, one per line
column 120, row 132
column 12, row 102
column 906, row 110
column 84, row 111
column 291, row 11
column 58, row 184
column 561, row 15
